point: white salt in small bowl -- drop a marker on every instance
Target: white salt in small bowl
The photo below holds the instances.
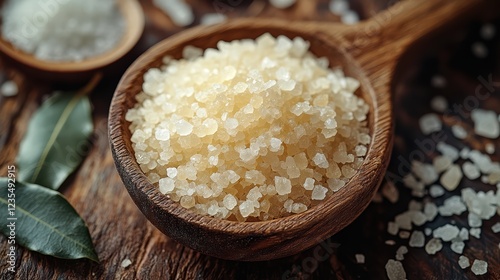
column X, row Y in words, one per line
column 82, row 70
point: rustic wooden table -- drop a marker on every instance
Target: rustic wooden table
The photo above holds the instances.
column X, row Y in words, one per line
column 120, row 231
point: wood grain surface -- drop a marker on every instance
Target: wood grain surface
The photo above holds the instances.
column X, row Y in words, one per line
column 120, row 231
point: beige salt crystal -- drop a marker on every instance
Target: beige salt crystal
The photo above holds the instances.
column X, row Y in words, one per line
column 451, row 178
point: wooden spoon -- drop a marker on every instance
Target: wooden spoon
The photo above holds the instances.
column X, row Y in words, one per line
column 81, row 70
column 368, row 51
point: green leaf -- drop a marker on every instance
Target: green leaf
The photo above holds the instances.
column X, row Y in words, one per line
column 46, row 222
column 56, row 140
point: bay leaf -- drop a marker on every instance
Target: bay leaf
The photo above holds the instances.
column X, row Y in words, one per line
column 44, row 221
column 56, row 140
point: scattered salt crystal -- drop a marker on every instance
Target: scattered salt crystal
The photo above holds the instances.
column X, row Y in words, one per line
column 489, row 148
column 404, row 234
column 474, row 220
column 427, row 231
column 425, row 172
column 9, row 88
column 496, row 228
column 439, row 103
column 430, row 211
column 451, row 178
column 212, row 18
column 479, row 50
column 417, row 239
column 438, row 81
column 487, row 31
column 395, row 270
column 419, row 218
column 464, row 234
column 350, row 17
column 436, row 191
column 458, row 131
column 430, row 123
column 457, row 246
column 476, row 232
column 441, row 163
column 486, row 123
column 470, row 171
column 392, row 228
column 402, row 250
column 403, row 220
column 446, row 232
column 452, row 206
column 360, row 258
column 448, row 151
column 479, row 267
column 126, row 263
column 464, row 262
column 282, row 4
column 464, row 153
column 178, row 11
column 433, row 246
column 390, row 242
column 339, row 7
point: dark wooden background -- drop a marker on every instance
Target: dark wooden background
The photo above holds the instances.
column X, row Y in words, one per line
column 119, row 231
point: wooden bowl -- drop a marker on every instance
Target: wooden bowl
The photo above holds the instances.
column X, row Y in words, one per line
column 372, row 62
column 82, row 70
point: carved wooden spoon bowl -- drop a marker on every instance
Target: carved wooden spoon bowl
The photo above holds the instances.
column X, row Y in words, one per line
column 368, row 51
column 81, row 70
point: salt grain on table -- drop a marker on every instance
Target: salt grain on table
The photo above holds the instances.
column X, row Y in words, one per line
column 126, row 263
column 451, row 178
column 476, row 232
column 392, row 228
column 479, row 267
column 474, row 220
column 457, row 247
column 489, row 148
column 470, row 171
column 448, row 150
column 430, row 211
column 433, row 246
column 404, row 234
column 446, row 232
column 436, row 191
column 430, row 123
column 463, row 262
column 464, row 234
column 458, row 131
column 479, row 50
column 395, row 270
column 496, row 228
column 402, row 250
column 9, row 88
column 487, row 31
column 360, row 258
column 486, row 123
column 417, row 239
column 441, row 163
column 390, row 192
column 438, row 81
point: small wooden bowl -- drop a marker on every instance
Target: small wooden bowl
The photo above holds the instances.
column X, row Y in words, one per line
column 372, row 61
column 82, row 70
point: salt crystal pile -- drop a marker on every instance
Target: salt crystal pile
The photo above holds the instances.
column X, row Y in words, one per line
column 69, row 30
column 270, row 138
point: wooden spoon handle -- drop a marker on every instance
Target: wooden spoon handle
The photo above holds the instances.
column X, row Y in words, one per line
column 386, row 36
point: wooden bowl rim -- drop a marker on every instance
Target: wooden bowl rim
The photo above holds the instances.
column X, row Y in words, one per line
column 381, row 142
column 134, row 26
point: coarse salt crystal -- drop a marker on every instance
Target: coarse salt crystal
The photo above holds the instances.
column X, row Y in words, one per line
column 446, row 232
column 479, row 267
column 430, row 123
column 9, row 88
column 458, row 131
column 360, row 258
column 126, row 263
column 417, row 239
column 439, row 104
column 451, row 178
column 433, row 246
column 395, row 270
column 464, row 262
column 486, row 123
column 319, row 193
